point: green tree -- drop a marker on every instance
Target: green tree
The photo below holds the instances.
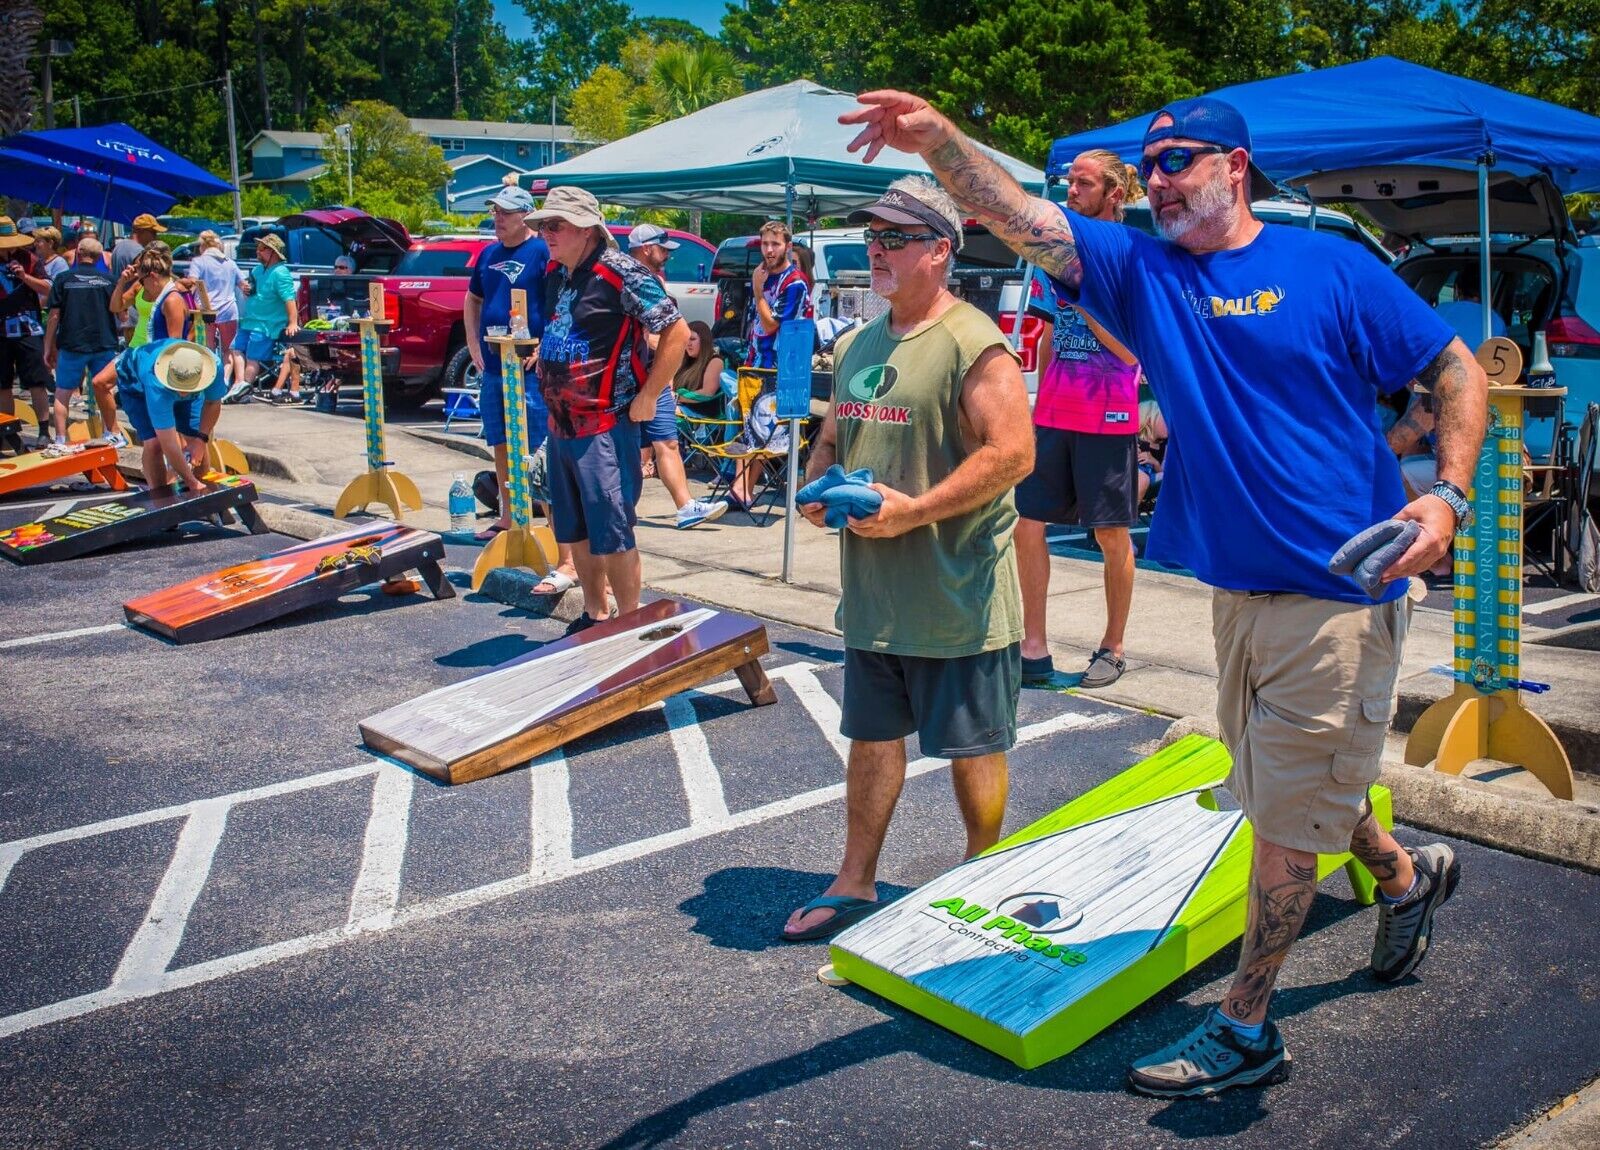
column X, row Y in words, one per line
column 1225, row 41
column 684, row 78
column 570, row 39
column 390, row 164
column 1019, row 75
column 598, row 109
column 849, row 44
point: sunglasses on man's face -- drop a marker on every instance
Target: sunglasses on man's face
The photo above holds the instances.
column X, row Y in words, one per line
column 893, row 241
column 1171, row 161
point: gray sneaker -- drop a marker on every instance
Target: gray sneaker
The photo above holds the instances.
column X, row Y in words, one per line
column 1104, row 669
column 1209, row 1059
column 1403, row 930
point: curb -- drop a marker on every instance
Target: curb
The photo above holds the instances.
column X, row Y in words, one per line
column 514, row 586
column 1549, row 829
column 296, row 522
column 473, row 447
column 289, row 467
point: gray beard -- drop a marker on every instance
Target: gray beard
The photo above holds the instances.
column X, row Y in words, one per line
column 1207, row 212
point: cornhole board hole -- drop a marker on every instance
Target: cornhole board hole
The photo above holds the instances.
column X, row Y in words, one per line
column 507, row 715
column 252, row 593
column 1041, row 942
column 97, row 463
column 136, row 516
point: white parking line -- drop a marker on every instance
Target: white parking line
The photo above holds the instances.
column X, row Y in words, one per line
column 54, row 636
column 702, row 784
column 552, row 813
column 383, row 853
column 156, row 941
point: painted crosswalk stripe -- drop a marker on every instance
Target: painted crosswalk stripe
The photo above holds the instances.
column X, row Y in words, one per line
column 383, row 852
column 156, row 941
column 56, row 636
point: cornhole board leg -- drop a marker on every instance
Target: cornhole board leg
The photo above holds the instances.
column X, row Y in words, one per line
column 98, row 464
column 511, row 713
column 249, row 594
column 87, row 529
column 1041, row 942
column 11, row 433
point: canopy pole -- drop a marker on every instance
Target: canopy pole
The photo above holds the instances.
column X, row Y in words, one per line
column 1312, row 225
column 1484, row 291
column 1022, row 306
column 794, row 424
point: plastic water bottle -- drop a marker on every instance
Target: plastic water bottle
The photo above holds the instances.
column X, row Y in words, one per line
column 461, row 504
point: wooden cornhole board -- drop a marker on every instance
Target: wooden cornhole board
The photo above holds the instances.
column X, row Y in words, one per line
column 97, row 463
column 252, row 593
column 505, row 716
column 102, row 525
column 1043, row 941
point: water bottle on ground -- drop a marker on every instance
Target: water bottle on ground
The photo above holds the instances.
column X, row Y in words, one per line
column 462, row 505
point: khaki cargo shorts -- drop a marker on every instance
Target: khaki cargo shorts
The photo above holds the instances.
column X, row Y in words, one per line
column 1305, row 692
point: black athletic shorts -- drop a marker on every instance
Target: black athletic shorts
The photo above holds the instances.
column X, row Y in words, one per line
column 960, row 708
column 1081, row 478
column 22, row 361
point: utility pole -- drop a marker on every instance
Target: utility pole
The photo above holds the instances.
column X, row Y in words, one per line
column 233, row 152
column 77, row 113
column 552, row 129
column 52, row 49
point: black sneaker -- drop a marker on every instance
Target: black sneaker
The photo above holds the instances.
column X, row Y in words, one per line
column 1404, row 929
column 1209, row 1059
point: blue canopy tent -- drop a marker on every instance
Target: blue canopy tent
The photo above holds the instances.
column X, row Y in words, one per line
column 54, row 184
column 121, row 153
column 1389, row 113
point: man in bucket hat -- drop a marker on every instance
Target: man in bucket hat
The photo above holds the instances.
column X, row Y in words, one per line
column 170, row 392
column 600, row 308
column 515, row 261
column 1267, row 347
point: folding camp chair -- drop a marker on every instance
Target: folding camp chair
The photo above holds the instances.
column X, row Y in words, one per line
column 756, row 439
column 460, row 403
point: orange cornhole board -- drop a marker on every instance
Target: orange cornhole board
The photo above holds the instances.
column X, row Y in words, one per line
column 97, row 463
column 248, row 594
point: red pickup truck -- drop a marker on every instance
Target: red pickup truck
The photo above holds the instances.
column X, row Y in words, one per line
column 425, row 351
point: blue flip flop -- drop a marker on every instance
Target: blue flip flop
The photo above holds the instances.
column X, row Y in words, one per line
column 846, row 912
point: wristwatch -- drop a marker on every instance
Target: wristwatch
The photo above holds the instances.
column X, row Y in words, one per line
column 1457, row 499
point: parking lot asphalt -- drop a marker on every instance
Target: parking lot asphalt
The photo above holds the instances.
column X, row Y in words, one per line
column 226, row 924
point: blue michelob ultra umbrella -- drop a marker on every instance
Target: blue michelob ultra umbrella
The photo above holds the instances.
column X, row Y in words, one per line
column 55, row 184
column 122, row 154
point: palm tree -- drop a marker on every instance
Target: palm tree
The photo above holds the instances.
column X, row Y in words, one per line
column 21, row 22
column 684, row 78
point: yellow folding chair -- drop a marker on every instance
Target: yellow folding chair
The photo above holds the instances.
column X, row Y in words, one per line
column 756, row 439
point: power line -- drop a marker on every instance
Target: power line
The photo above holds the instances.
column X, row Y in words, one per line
column 146, row 92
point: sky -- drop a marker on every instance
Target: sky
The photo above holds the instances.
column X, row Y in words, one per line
column 706, row 13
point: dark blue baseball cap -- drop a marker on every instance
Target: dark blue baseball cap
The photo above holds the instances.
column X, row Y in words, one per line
column 1211, row 121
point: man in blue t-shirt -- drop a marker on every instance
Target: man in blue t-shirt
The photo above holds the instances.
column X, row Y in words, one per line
column 170, row 392
column 517, row 259
column 1267, row 348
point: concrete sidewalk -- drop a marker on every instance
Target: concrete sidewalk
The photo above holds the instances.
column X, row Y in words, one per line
column 308, row 457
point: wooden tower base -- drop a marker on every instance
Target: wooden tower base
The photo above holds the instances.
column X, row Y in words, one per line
column 388, row 487
column 531, row 547
column 1468, row 726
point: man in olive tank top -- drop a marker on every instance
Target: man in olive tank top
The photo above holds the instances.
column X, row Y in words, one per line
column 930, row 398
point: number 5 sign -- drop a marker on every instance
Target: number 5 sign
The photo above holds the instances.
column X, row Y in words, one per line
column 1501, row 361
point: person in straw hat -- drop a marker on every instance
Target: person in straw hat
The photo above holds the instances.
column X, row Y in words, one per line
column 171, row 394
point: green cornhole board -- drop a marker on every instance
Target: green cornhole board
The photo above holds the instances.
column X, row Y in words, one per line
column 1050, row 936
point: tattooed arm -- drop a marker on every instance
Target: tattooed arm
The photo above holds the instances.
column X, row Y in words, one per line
column 1460, row 414
column 1035, row 229
column 1408, row 431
